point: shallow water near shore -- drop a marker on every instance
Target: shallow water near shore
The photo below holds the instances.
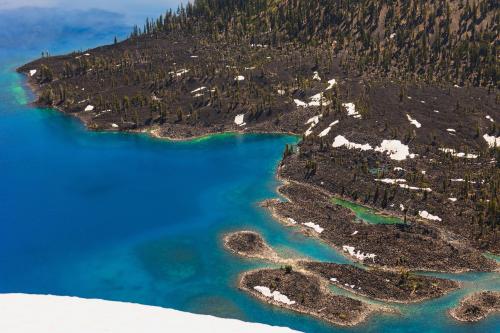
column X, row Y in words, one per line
column 366, row 214
column 131, row 218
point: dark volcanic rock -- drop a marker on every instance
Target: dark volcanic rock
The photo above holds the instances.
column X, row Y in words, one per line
column 307, row 294
column 411, row 246
column 382, row 285
column 477, row 306
column 249, row 244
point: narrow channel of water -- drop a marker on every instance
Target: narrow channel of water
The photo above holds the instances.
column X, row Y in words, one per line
column 367, row 214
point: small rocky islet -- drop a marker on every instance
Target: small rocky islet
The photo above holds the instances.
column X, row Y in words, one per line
column 477, row 306
column 249, row 244
column 306, row 294
column 403, row 121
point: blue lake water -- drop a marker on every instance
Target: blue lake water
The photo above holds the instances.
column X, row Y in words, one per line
column 130, row 218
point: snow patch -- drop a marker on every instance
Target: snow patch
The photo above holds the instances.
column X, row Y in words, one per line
column 426, row 215
column 342, row 141
column 452, row 199
column 454, row 153
column 240, row 120
column 179, row 72
column 391, row 181
column 313, row 121
column 239, row 78
column 300, row 103
column 313, row 226
column 331, row 83
column 414, row 188
column 487, row 116
column 413, row 121
column 358, row 254
column 198, row 90
column 395, row 149
column 327, row 130
column 491, row 140
column 324, row 132
column 351, row 110
column 32, row 72
column 405, row 186
column 89, row 108
column 318, row 100
column 276, row 295
column 316, row 76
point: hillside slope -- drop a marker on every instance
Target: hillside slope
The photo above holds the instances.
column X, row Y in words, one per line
column 397, row 103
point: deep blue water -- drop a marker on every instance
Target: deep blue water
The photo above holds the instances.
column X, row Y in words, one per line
column 130, row 218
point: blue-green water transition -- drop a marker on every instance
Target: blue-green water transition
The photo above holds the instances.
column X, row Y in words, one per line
column 365, row 214
column 130, row 218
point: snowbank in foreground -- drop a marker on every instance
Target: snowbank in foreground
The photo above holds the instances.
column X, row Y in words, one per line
column 22, row 313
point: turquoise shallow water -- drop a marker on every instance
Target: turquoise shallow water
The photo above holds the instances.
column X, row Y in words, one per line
column 130, row 218
column 366, row 214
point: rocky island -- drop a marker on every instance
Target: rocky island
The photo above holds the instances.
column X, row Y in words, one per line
column 375, row 284
column 477, row 306
column 399, row 287
column 305, row 294
column 397, row 104
column 249, row 244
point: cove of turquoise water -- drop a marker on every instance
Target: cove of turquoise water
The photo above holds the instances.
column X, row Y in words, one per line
column 129, row 218
column 366, row 214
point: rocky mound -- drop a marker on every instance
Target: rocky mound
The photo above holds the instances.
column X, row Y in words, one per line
column 403, row 287
column 477, row 306
column 249, row 244
column 303, row 293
